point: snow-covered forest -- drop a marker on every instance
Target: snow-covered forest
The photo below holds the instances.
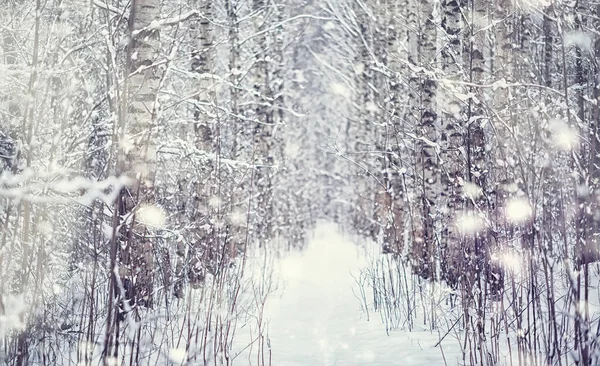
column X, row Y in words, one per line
column 317, row 182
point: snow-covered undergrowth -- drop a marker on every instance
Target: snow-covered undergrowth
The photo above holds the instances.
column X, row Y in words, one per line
column 338, row 301
column 198, row 329
column 535, row 319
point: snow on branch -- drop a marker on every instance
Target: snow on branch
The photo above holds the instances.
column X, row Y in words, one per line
column 107, row 7
column 167, row 22
column 184, row 150
column 427, row 141
column 52, row 190
column 498, row 84
column 502, row 84
column 281, row 23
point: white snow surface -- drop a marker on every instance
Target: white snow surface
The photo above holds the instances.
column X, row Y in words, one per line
column 314, row 317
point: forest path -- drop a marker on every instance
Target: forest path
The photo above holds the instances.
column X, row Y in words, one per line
column 314, row 318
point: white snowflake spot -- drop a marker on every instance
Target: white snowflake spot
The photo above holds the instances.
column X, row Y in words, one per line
column 177, row 355
column 215, row 201
column 509, row 260
column 340, row 89
column 359, row 68
column 469, row 223
column 329, row 26
column 563, row 137
column 13, row 317
column 454, row 108
column 371, row 107
column 579, row 39
column 151, row 215
column 471, row 190
column 112, row 361
column 237, row 218
column 292, row 149
column 518, row 211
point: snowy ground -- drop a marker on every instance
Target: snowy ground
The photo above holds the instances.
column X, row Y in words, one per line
column 315, row 318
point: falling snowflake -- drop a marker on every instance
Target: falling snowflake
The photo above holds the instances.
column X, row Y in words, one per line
column 238, row 217
column 359, row 68
column 518, row 211
column 509, row 260
column 13, row 317
column 111, row 361
column 371, row 106
column 215, row 202
column 563, row 137
column 471, row 190
column 177, row 355
column 579, row 39
column 152, row 216
column 339, row 88
column 469, row 223
column 292, row 149
column 329, row 26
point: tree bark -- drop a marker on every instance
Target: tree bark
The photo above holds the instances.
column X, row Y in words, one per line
column 137, row 157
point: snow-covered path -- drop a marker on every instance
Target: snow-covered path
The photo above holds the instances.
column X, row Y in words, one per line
column 315, row 318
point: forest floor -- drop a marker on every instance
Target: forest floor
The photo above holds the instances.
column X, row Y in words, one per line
column 314, row 314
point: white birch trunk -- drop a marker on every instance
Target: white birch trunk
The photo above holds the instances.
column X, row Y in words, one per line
column 138, row 148
column 426, row 118
column 263, row 127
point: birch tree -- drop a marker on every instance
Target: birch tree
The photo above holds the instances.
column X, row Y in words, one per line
column 137, row 157
column 425, row 113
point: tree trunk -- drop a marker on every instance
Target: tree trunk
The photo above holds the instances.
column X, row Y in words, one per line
column 137, row 158
column 423, row 247
column 263, row 127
